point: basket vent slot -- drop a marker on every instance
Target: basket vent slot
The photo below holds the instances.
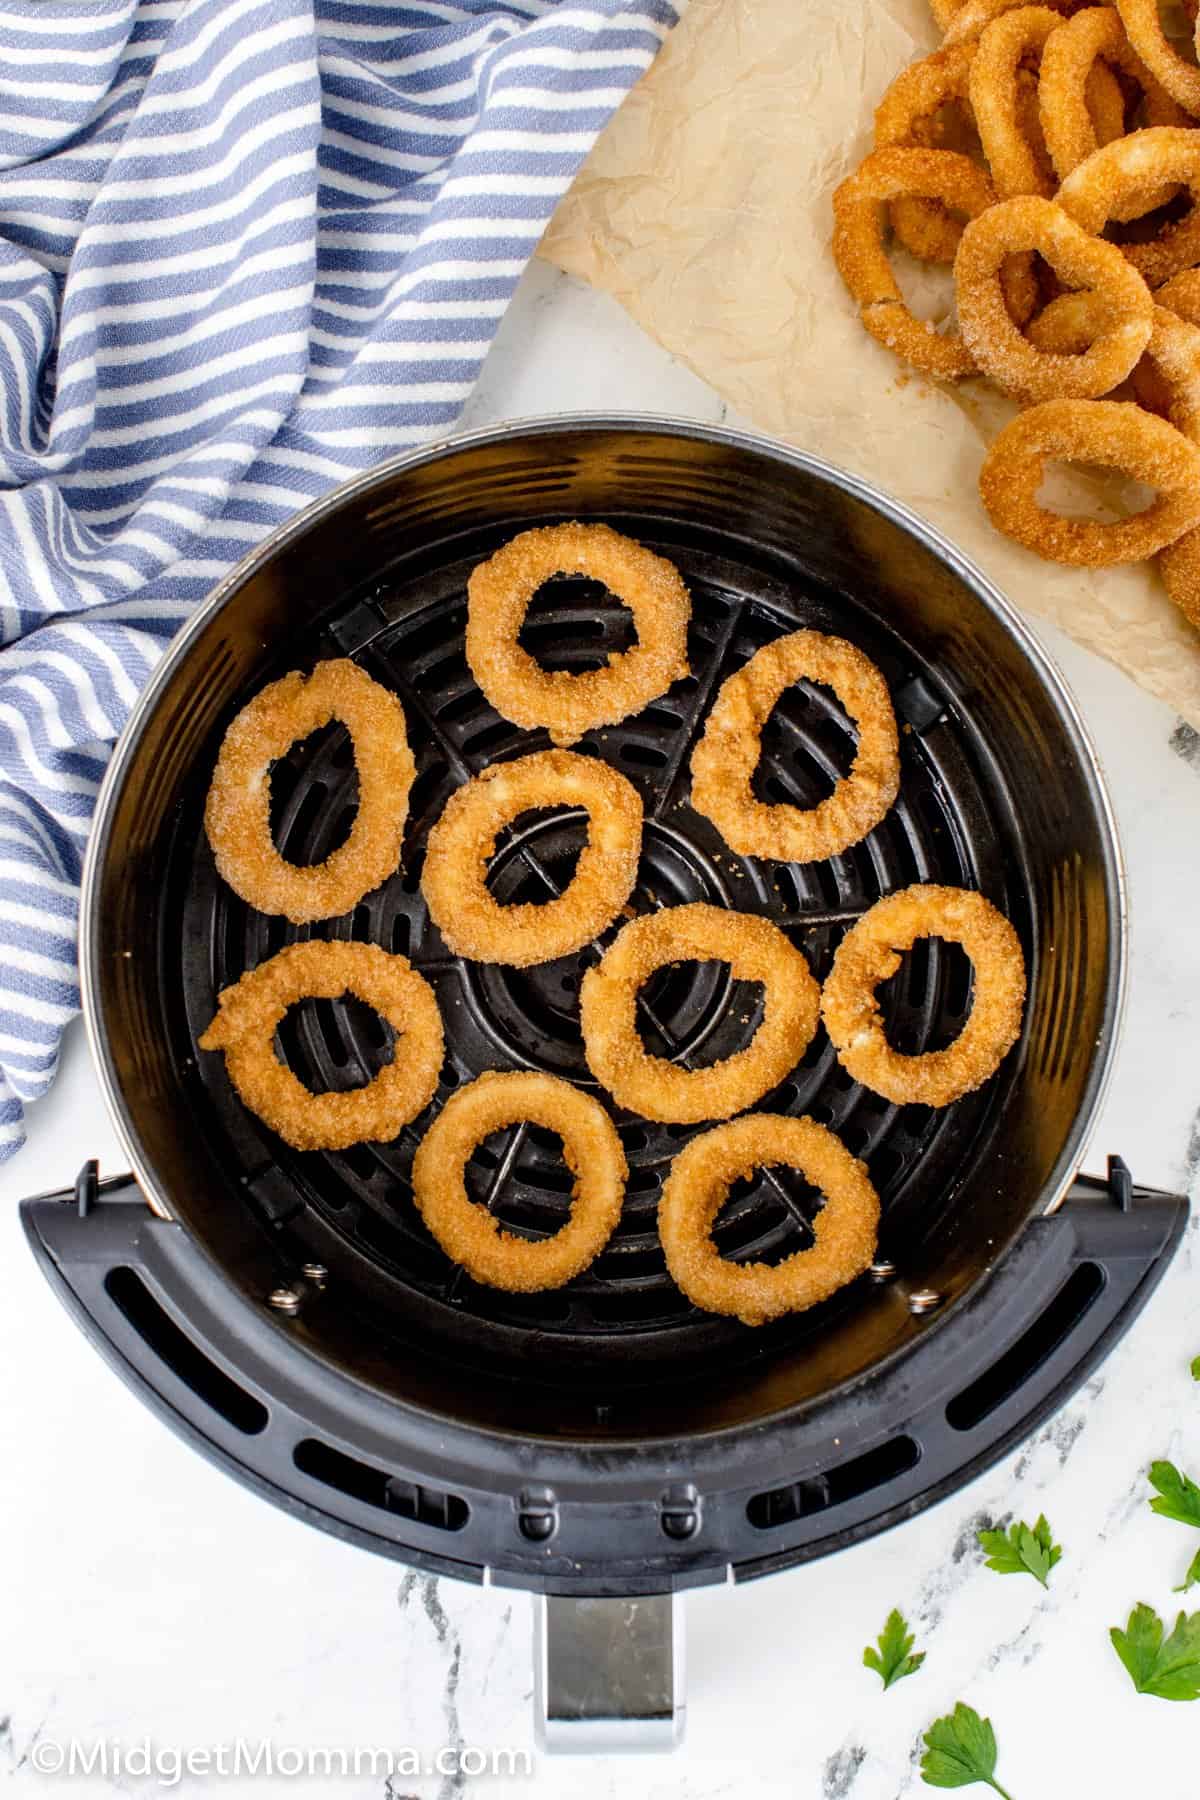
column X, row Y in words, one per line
column 817, row 1493
column 390, row 1493
column 132, row 1298
column 1052, row 1326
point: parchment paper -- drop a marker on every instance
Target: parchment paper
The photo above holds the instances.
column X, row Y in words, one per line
column 705, row 209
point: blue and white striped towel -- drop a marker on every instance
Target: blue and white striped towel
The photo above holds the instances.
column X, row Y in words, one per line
column 247, row 247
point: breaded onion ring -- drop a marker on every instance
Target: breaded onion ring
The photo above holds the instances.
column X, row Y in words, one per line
column 1115, row 434
column 724, row 760
column 905, row 119
column 1095, row 40
column 701, row 1176
column 858, row 247
column 870, row 953
column 756, row 951
column 237, row 815
column 499, row 592
column 468, row 1233
column 454, row 883
column 1017, row 163
column 1179, row 566
column 1144, row 29
column 974, row 16
column 1030, row 223
column 1124, row 180
column 251, row 1010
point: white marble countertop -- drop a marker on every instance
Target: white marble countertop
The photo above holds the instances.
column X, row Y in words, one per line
column 144, row 1594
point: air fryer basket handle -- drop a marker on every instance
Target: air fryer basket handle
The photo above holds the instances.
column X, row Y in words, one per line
column 608, row 1674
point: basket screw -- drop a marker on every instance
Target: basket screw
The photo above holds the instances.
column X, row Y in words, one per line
column 925, row 1300
column 284, row 1300
column 882, row 1270
column 315, row 1272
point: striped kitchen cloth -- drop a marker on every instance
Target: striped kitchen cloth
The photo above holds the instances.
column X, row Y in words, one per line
column 247, row 248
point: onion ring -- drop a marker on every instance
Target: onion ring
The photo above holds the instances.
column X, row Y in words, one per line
column 974, row 16
column 1123, row 180
column 845, row 1228
column 724, row 760
column 870, row 953
column 1031, row 223
column 756, row 951
column 498, row 596
column 250, row 1011
column 858, row 248
column 1143, row 27
column 237, row 815
column 904, row 120
column 1179, row 566
column 1091, row 41
column 1014, row 160
column 454, row 882
column 1114, row 433
column 468, row 1233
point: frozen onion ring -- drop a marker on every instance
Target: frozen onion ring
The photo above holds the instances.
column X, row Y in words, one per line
column 498, row 596
column 994, row 340
column 1125, row 179
column 724, row 760
column 858, row 247
column 756, row 950
column 1143, row 27
column 904, row 119
column 1094, row 40
column 1018, row 164
column 237, row 815
column 454, row 881
column 845, row 1229
column 467, row 1232
column 1114, row 433
column 870, row 953
column 250, row 1011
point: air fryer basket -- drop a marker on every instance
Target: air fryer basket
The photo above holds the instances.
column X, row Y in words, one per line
column 999, row 791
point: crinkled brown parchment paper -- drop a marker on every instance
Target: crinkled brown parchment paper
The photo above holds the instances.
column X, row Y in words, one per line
column 705, row 209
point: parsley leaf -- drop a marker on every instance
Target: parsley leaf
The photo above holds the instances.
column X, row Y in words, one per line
column 1192, row 1576
column 961, row 1749
column 1179, row 1497
column 1196, row 1368
column 1024, row 1550
column 1170, row 1668
column 893, row 1660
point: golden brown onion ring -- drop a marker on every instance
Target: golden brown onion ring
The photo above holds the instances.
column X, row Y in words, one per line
column 468, row 1233
column 499, row 592
column 701, row 1176
column 1017, row 161
column 999, row 347
column 1113, row 434
column 1143, row 26
column 724, row 760
column 870, row 953
column 905, row 119
column 237, row 816
column 1124, row 180
column 251, row 1010
column 475, row 924
column 756, row 951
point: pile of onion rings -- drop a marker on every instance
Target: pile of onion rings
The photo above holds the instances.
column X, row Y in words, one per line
column 454, row 881
column 237, row 816
column 756, row 950
column 724, row 760
column 870, row 953
column 468, row 1233
column 1086, row 116
column 250, row 1012
column 845, row 1229
column 567, row 705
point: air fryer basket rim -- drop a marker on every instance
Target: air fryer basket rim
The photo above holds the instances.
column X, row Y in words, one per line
column 895, row 514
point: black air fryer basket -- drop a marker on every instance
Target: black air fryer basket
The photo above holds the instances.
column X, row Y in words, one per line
column 288, row 1312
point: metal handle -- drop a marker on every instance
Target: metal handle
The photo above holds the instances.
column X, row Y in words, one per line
column 608, row 1675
